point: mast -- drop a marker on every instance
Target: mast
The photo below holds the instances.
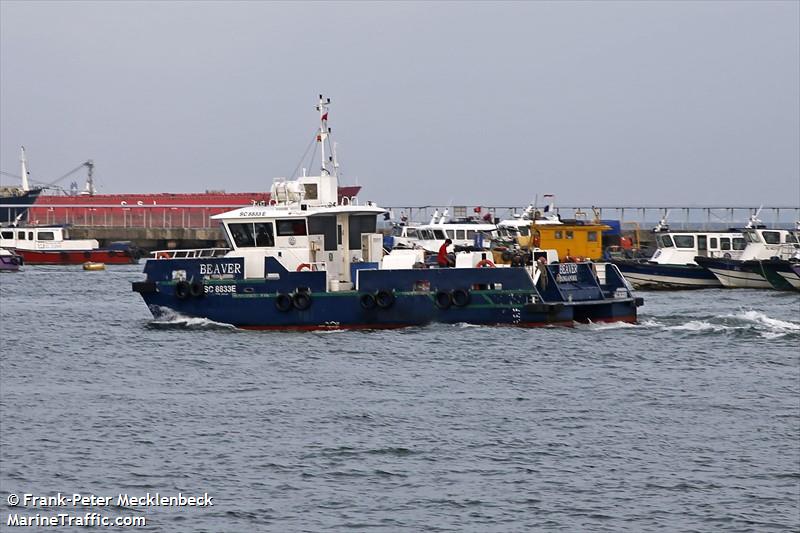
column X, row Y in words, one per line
column 324, row 131
column 24, row 170
column 89, row 188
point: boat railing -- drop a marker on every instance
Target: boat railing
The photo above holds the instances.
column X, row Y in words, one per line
column 319, row 265
column 196, row 253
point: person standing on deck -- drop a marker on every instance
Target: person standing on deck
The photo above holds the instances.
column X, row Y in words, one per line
column 444, row 259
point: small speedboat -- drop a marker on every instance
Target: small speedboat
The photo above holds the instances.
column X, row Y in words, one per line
column 9, row 261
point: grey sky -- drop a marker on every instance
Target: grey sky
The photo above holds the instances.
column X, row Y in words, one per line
column 476, row 103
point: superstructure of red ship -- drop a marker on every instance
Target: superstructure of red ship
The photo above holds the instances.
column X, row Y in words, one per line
column 187, row 210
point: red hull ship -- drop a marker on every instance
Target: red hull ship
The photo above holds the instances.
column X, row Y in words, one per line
column 111, row 257
column 188, row 210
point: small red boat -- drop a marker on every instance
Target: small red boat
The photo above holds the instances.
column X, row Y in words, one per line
column 51, row 245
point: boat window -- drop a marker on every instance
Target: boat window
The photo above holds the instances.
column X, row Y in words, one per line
column 21, row 235
column 559, row 235
column 310, row 192
column 524, row 231
column 570, row 234
column 471, row 234
column 7, row 234
column 591, row 236
column 291, row 226
column 712, row 243
column 325, row 226
column 460, row 234
column 791, row 238
column 451, row 233
column 751, row 236
column 263, row 233
column 411, row 232
column 772, row 237
column 739, row 243
column 665, row 241
column 46, row 236
column 242, row 234
column 725, row 243
column 438, row 234
column 397, row 231
column 684, row 241
column 30, row 235
column 359, row 225
column 702, row 243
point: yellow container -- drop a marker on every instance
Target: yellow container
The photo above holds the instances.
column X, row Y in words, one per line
column 89, row 265
column 576, row 241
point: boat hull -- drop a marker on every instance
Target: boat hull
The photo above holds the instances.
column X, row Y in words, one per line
column 384, row 299
column 736, row 274
column 657, row 276
column 10, row 214
column 343, row 310
column 10, row 263
column 780, row 274
column 78, row 257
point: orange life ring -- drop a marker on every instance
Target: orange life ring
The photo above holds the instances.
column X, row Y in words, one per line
column 537, row 240
column 484, row 263
column 163, row 255
column 303, row 266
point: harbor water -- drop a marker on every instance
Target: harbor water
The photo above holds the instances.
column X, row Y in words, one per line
column 688, row 421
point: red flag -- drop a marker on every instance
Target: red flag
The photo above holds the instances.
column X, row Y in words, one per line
column 477, row 209
column 325, row 116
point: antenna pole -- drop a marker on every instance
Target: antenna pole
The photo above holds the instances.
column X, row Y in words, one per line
column 322, row 107
column 90, row 179
column 24, row 169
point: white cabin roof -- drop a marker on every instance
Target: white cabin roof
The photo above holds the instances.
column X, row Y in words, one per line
column 294, row 211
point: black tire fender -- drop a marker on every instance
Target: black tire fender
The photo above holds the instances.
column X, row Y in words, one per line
column 283, row 302
column 301, row 300
column 460, row 297
column 385, row 299
column 197, row 289
column 443, row 299
column 367, row 301
column 182, row 290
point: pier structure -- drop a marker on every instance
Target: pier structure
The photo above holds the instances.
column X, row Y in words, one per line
column 166, row 226
column 679, row 216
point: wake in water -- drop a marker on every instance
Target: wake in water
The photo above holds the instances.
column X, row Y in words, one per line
column 746, row 321
column 169, row 319
column 604, row 326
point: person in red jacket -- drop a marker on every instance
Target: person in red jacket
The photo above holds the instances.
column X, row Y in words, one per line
column 444, row 259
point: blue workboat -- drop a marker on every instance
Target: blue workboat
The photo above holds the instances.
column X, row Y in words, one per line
column 310, row 260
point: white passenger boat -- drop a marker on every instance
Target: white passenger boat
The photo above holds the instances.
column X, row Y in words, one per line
column 673, row 264
column 520, row 225
column 746, row 271
column 465, row 233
